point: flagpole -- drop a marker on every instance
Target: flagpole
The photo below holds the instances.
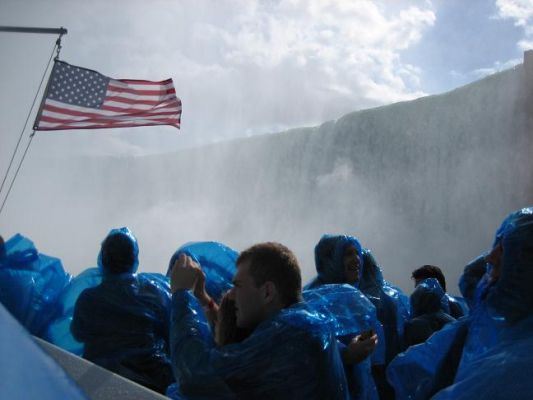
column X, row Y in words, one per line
column 22, row 29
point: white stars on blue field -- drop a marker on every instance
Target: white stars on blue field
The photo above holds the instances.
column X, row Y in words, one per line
column 77, row 86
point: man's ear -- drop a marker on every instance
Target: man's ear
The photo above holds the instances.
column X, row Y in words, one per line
column 270, row 292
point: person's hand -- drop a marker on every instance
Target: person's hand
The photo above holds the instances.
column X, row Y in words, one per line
column 184, row 274
column 359, row 348
column 199, row 288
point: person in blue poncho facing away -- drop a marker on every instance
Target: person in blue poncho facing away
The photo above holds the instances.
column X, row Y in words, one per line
column 456, row 309
column 427, row 315
column 291, row 352
column 124, row 321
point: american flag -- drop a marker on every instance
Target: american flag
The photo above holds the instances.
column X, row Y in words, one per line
column 80, row 98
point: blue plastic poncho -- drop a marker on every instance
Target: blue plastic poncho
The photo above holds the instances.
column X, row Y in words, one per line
column 427, row 298
column 373, row 285
column 485, row 326
column 292, row 355
column 426, row 311
column 425, row 368
column 216, row 260
column 457, row 306
column 116, row 263
column 507, row 299
column 59, row 332
column 350, row 313
column 496, row 358
column 30, row 284
column 392, row 305
column 472, row 274
column 513, row 295
column 503, row 372
column 59, row 329
column 388, row 300
column 123, row 322
column 329, row 254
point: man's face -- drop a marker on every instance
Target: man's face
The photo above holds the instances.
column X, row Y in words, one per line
column 249, row 304
column 352, row 264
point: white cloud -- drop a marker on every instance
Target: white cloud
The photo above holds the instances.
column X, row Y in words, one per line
column 521, row 12
column 321, row 49
column 257, row 65
column 526, row 44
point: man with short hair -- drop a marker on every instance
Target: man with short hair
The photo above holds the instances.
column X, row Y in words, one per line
column 267, row 280
column 429, row 271
column 291, row 352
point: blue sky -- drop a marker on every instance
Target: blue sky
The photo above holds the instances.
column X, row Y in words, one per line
column 244, row 67
column 468, row 40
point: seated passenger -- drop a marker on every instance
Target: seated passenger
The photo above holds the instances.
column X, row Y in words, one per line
column 291, row 353
column 356, row 336
column 423, row 370
column 503, row 370
column 124, row 321
column 341, row 259
column 427, row 316
column 456, row 310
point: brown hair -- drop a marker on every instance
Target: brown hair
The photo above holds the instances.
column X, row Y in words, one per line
column 274, row 262
column 430, row 271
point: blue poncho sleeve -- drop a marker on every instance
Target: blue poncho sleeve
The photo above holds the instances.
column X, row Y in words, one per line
column 502, row 372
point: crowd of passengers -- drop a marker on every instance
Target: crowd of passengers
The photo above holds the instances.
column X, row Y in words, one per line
column 223, row 325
